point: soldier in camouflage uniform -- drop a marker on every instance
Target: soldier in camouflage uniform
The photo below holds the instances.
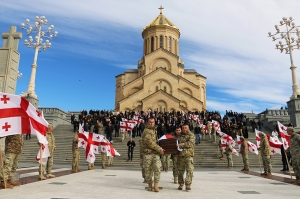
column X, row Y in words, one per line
column 244, row 152
column 214, row 133
column 295, row 152
column 103, row 159
column 13, row 148
column 76, row 154
column 185, row 160
column 51, row 146
column 220, row 148
column 110, row 159
column 228, row 152
column 151, row 151
column 174, row 157
column 265, row 153
column 166, row 162
column 141, row 159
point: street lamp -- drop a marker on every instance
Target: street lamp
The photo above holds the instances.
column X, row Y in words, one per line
column 37, row 44
column 287, row 44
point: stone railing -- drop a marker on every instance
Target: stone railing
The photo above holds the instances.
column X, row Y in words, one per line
column 55, row 116
column 278, row 112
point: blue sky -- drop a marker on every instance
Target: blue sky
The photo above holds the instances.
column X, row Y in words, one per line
column 226, row 42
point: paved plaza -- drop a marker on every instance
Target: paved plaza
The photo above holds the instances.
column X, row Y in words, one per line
column 127, row 183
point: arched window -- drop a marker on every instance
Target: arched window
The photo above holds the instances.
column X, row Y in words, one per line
column 170, row 44
column 161, row 41
column 152, row 44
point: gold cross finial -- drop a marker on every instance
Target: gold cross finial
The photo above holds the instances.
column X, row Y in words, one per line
column 160, row 9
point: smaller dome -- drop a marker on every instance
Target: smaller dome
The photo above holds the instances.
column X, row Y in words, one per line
column 161, row 20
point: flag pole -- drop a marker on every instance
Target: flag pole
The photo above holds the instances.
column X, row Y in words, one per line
column 259, row 162
column 2, row 170
column 288, row 165
column 41, row 162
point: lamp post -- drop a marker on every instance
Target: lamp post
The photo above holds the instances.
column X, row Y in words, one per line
column 37, row 44
column 287, row 44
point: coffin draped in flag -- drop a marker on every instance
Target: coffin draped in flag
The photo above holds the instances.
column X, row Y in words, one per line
column 285, row 138
column 90, row 142
column 45, row 155
column 18, row 116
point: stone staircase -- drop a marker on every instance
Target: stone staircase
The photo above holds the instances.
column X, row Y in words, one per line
column 206, row 154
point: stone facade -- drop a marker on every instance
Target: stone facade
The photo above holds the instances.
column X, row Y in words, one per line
column 160, row 81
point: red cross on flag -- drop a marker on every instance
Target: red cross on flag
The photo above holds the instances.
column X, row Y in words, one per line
column 252, row 148
column 217, row 125
column 18, row 116
column 257, row 138
column 45, row 155
column 126, row 126
column 107, row 148
column 90, row 142
column 137, row 120
column 285, row 138
column 238, row 139
column 275, row 145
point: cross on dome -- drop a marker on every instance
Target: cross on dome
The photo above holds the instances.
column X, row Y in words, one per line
column 161, row 8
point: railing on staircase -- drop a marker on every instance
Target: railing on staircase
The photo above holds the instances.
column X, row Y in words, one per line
column 55, row 116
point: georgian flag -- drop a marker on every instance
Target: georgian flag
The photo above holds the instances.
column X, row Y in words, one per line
column 217, row 126
column 126, row 126
column 19, row 116
column 238, row 139
column 252, row 148
column 167, row 136
column 137, row 120
column 275, row 145
column 107, row 148
column 200, row 123
column 257, row 138
column 229, row 139
column 234, row 152
column 90, row 142
column 285, row 138
column 204, row 127
column 224, row 142
column 45, row 155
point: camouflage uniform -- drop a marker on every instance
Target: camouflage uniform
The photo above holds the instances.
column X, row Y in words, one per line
column 13, row 148
column 151, row 159
column 103, row 159
column 174, row 158
column 76, row 154
column 295, row 153
column 100, row 128
column 141, row 158
column 244, row 152
column 110, row 160
column 185, row 160
column 220, row 148
column 214, row 133
column 228, row 152
column 265, row 153
column 51, row 146
column 166, row 161
column 124, row 135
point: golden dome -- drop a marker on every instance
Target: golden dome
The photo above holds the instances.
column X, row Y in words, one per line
column 161, row 20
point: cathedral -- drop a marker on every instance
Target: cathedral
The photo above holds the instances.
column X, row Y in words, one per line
column 160, row 82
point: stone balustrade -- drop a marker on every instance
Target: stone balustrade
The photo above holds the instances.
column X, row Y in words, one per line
column 275, row 112
column 55, row 116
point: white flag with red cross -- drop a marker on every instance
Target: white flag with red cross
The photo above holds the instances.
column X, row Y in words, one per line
column 90, row 142
column 275, row 145
column 285, row 137
column 252, row 148
column 45, row 155
column 137, row 120
column 217, row 125
column 126, row 126
column 257, row 138
column 238, row 139
column 19, row 116
column 106, row 147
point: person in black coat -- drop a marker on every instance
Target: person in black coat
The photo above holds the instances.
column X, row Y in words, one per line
column 131, row 145
column 109, row 131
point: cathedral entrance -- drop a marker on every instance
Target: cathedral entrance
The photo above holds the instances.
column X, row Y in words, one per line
column 160, row 106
